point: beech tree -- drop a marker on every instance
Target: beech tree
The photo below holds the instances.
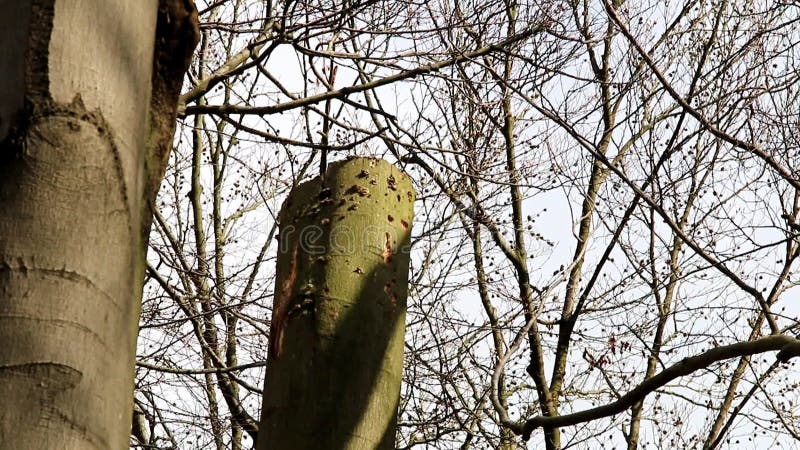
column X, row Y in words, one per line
column 605, row 239
column 82, row 151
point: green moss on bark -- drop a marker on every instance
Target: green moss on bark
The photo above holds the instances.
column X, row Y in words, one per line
column 335, row 365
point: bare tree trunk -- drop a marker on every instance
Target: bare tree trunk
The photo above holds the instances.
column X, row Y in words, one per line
column 336, row 350
column 74, row 104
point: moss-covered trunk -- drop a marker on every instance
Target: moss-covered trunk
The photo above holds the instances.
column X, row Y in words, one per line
column 336, row 351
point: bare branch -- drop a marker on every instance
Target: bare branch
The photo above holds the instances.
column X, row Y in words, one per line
column 787, row 346
column 345, row 91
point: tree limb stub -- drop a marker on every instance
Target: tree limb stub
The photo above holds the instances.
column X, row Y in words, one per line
column 336, row 340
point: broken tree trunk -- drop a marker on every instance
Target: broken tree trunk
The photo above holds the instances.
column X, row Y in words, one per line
column 336, row 346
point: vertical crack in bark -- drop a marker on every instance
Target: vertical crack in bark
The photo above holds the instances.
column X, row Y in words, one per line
column 34, row 84
column 280, row 306
column 177, row 35
column 38, row 55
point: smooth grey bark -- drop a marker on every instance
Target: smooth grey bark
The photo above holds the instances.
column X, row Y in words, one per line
column 74, row 137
